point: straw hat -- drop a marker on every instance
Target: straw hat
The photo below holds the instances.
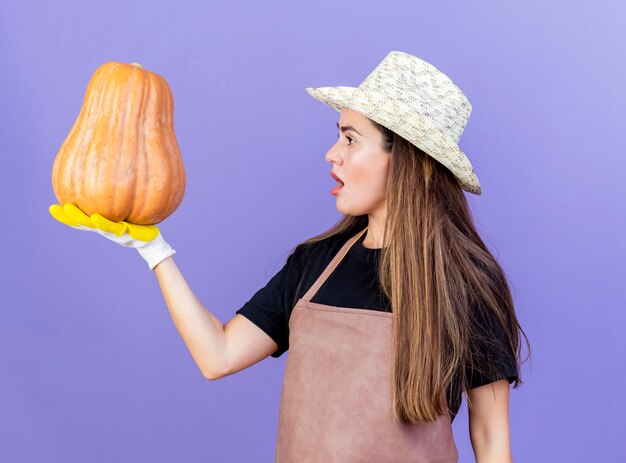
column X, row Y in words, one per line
column 418, row 102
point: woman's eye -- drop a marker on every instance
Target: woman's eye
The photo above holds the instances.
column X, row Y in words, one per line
column 350, row 139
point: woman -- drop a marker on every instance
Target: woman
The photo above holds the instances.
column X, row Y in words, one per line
column 360, row 383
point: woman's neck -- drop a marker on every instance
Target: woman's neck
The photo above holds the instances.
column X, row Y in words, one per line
column 374, row 233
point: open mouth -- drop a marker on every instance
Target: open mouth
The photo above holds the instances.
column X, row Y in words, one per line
column 340, row 183
column 336, row 177
column 337, row 188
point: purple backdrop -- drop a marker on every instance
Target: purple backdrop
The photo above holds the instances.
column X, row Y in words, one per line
column 93, row 368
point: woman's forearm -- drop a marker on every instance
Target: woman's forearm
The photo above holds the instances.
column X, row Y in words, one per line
column 202, row 332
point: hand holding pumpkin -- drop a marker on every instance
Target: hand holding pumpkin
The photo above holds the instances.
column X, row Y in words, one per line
column 147, row 239
column 121, row 161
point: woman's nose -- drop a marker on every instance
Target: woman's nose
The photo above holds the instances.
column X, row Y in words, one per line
column 332, row 155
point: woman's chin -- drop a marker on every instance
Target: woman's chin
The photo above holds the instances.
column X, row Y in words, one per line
column 343, row 208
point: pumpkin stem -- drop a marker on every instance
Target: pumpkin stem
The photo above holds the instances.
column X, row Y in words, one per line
column 137, row 65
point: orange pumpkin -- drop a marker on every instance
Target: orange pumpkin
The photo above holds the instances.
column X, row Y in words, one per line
column 121, row 158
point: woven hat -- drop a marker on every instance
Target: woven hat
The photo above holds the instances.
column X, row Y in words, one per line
column 418, row 102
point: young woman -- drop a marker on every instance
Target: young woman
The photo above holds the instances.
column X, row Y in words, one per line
column 391, row 314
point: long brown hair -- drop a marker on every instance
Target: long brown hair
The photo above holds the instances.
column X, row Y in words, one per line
column 439, row 277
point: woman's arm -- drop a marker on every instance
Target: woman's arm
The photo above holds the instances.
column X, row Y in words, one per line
column 218, row 350
column 202, row 332
column 489, row 422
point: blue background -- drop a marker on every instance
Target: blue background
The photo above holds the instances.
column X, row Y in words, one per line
column 93, row 368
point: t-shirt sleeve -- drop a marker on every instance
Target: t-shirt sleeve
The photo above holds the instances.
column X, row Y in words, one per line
column 492, row 358
column 269, row 308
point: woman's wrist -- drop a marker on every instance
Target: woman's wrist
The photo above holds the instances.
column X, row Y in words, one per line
column 155, row 251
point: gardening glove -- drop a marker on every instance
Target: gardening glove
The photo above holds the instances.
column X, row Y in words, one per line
column 147, row 239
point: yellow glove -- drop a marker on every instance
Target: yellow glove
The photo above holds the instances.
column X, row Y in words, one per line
column 147, row 239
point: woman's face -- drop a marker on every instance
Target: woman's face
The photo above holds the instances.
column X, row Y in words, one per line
column 359, row 160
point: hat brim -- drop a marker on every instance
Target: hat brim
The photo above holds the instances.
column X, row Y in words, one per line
column 406, row 122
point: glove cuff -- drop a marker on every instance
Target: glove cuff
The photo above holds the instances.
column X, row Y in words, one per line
column 156, row 251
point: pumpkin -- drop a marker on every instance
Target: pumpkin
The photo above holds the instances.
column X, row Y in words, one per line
column 121, row 158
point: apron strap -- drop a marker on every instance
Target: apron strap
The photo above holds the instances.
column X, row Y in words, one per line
column 331, row 266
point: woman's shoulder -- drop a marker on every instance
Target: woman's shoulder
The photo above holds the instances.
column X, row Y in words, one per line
column 319, row 251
